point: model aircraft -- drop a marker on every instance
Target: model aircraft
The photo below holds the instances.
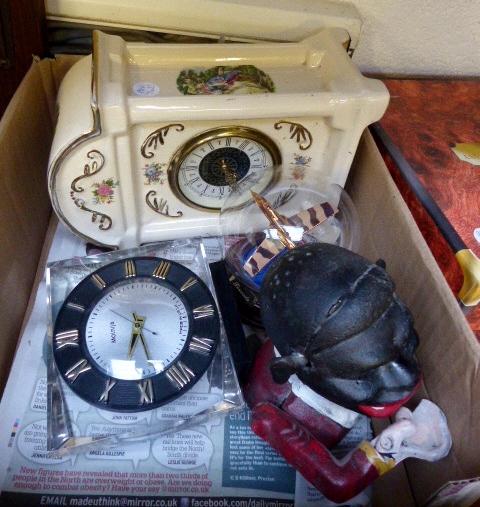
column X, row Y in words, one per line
column 287, row 230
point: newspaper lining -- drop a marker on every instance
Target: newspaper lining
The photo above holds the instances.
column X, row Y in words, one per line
column 219, row 463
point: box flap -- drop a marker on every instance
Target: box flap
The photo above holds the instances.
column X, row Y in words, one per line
column 25, row 195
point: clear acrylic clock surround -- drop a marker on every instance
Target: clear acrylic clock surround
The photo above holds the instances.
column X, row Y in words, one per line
column 72, row 424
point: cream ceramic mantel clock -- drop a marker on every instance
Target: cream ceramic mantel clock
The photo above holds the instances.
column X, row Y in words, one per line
column 151, row 138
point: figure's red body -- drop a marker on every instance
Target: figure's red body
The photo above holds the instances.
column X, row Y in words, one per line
column 303, row 436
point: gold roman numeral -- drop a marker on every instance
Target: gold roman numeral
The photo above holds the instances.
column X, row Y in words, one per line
column 108, row 387
column 66, row 338
column 180, row 374
column 189, row 283
column 203, row 311
column 130, row 269
column 202, row 345
column 75, row 306
column 162, row 269
column 99, row 281
column 75, row 371
column 146, row 392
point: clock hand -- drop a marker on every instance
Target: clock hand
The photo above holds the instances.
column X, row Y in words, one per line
column 230, row 174
column 145, row 347
column 133, row 338
column 132, row 322
column 133, row 344
column 136, row 335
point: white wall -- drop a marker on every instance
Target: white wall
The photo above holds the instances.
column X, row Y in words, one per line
column 421, row 37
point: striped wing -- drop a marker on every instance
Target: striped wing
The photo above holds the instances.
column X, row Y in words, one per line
column 265, row 252
column 269, row 248
column 314, row 216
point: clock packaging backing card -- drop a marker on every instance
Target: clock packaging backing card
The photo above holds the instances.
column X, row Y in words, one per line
column 136, row 347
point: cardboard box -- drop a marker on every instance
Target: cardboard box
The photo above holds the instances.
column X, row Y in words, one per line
column 448, row 353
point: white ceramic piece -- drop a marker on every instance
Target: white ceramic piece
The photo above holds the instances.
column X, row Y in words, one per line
column 150, row 136
column 421, row 434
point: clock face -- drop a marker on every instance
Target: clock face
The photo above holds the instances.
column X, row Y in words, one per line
column 206, row 168
column 135, row 313
column 136, row 334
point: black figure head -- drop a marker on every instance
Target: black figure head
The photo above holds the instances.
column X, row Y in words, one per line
column 337, row 324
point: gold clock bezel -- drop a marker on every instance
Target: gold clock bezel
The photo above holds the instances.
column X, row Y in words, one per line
column 211, row 135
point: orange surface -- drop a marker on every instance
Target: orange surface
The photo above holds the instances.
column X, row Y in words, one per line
column 425, row 119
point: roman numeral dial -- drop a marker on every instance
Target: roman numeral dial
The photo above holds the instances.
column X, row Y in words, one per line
column 136, row 334
column 206, row 169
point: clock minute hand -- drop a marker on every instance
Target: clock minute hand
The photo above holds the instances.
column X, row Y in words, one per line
column 138, row 323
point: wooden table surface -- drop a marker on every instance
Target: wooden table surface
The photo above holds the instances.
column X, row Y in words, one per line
column 425, row 119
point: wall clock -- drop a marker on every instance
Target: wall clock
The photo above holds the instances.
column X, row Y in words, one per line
column 149, row 143
column 136, row 334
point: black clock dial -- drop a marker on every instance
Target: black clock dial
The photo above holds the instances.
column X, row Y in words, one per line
column 136, row 334
column 223, row 166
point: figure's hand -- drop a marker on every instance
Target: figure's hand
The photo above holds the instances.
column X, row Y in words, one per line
column 422, row 434
column 137, row 326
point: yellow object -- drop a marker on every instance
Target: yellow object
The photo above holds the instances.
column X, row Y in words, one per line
column 376, row 460
column 468, row 152
column 469, row 294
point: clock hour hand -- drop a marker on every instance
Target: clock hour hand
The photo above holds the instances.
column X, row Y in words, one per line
column 138, row 323
column 230, row 174
column 133, row 321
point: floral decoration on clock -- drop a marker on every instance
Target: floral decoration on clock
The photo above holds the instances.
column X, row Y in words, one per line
column 104, row 192
column 154, row 174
